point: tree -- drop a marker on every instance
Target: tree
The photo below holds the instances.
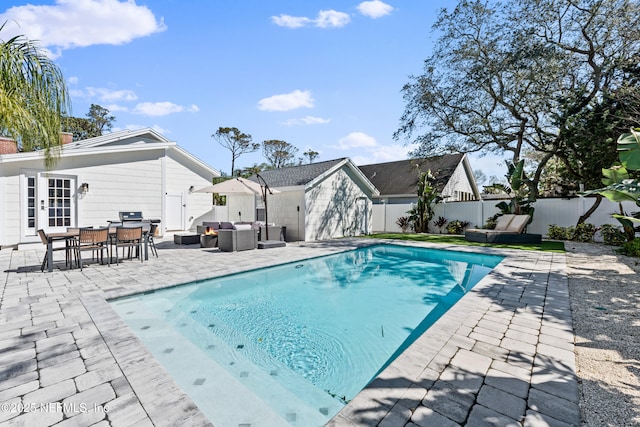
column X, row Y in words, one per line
column 100, row 119
column 235, row 141
column 479, row 176
column 524, row 76
column 252, row 170
column 33, row 97
column 278, row 153
column 422, row 212
column 620, row 184
column 522, row 200
column 81, row 128
column 310, row 155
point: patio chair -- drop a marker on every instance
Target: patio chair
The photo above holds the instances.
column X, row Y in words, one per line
column 508, row 230
column 45, row 240
column 94, row 240
column 131, row 238
column 150, row 241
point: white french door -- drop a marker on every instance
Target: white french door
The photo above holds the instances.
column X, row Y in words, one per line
column 49, row 202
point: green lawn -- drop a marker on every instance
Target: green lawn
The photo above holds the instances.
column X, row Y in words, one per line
column 547, row 246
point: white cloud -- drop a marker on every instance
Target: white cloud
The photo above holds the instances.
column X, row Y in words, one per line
column 104, row 94
column 72, row 80
column 307, row 120
column 382, row 154
column 160, row 129
column 357, row 140
column 157, row 128
column 78, row 23
column 115, row 108
column 374, row 9
column 490, row 165
column 109, row 95
column 287, row 101
column 325, row 19
column 332, row 19
column 290, row 21
column 165, row 108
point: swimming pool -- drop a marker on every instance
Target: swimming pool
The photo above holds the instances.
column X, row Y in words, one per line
column 289, row 345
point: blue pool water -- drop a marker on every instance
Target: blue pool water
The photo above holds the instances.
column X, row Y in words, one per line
column 295, row 342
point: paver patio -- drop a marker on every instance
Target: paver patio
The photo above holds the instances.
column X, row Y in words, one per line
column 503, row 355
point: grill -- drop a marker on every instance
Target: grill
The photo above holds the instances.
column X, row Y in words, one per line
column 130, row 216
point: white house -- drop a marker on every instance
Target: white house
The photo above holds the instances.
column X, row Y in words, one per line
column 398, row 181
column 95, row 179
column 398, row 185
column 320, row 201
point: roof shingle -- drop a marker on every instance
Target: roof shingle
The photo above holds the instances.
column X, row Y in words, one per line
column 401, row 177
column 296, row 175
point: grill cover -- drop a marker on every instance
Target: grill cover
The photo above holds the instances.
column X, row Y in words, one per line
column 131, row 216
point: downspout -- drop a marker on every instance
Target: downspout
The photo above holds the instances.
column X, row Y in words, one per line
column 163, row 193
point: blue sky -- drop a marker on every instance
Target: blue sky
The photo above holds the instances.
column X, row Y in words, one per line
column 321, row 75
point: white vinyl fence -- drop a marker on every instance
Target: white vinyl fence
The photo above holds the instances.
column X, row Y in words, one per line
column 216, row 214
column 562, row 212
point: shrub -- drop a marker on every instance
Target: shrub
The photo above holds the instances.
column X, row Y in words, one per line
column 403, row 222
column 631, row 248
column 584, row 232
column 581, row 233
column 612, row 235
column 491, row 222
column 440, row 222
column 456, row 226
column 560, row 233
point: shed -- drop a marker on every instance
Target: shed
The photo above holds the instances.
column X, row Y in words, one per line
column 320, row 200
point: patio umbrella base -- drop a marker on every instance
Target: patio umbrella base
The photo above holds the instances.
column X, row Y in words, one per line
column 268, row 244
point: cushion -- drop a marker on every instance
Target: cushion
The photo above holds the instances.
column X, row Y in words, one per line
column 211, row 225
column 502, row 223
column 226, row 226
column 519, row 223
column 242, row 226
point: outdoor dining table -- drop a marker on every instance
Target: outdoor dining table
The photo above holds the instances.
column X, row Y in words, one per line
column 68, row 235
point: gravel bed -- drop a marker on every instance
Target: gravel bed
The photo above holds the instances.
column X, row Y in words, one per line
column 604, row 292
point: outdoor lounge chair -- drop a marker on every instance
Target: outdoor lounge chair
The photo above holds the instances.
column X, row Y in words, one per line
column 237, row 240
column 509, row 229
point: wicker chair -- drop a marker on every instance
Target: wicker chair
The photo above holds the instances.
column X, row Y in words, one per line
column 131, row 238
column 94, row 240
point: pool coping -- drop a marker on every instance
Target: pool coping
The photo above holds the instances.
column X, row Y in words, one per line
column 507, row 344
column 502, row 355
column 417, row 370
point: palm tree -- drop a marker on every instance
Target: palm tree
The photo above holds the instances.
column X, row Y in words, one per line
column 33, row 97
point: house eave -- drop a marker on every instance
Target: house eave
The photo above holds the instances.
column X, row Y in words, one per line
column 36, row 155
column 103, row 150
column 396, row 196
